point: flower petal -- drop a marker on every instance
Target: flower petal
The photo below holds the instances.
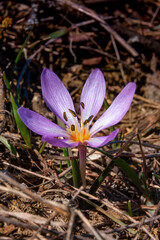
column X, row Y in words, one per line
column 101, row 141
column 93, row 94
column 40, row 124
column 117, row 110
column 57, row 96
column 59, row 142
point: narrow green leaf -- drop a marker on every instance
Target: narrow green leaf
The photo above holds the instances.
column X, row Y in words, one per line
column 130, row 208
column 21, row 126
column 58, row 33
column 130, row 173
column 21, row 50
column 53, row 35
column 101, row 178
column 156, row 175
column 109, row 215
column 76, row 173
column 42, row 147
column 6, row 81
column 125, row 168
column 8, row 145
column 145, row 183
column 65, row 152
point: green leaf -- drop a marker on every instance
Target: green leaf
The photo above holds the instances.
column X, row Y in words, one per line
column 156, row 175
column 65, row 152
column 53, row 35
column 21, row 50
column 21, row 126
column 6, row 81
column 42, row 147
column 76, row 173
column 101, row 178
column 109, row 215
column 145, row 183
column 58, row 33
column 130, row 173
column 8, row 145
column 130, row 208
column 124, row 167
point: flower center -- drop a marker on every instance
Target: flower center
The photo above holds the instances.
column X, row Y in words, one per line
column 79, row 132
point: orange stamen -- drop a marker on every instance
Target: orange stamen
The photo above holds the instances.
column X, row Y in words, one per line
column 78, row 133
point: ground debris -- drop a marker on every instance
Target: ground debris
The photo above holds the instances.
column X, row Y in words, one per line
column 37, row 197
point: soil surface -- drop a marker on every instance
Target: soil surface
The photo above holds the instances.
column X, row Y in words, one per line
column 37, row 196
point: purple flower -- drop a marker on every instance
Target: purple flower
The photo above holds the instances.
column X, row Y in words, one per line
column 78, row 132
column 60, row 103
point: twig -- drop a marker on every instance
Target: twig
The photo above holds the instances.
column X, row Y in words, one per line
column 71, row 51
column 2, row 104
column 128, row 66
column 146, row 100
column 132, row 225
column 121, row 213
column 145, row 123
column 30, row 218
column 114, row 58
column 84, row 23
column 154, row 215
column 44, row 224
column 60, row 208
column 139, row 229
column 94, row 15
column 27, row 171
column 118, row 57
column 23, row 225
column 143, row 144
column 76, row 194
column 89, row 226
column 144, row 159
column 71, row 226
column 13, row 191
column 155, row 14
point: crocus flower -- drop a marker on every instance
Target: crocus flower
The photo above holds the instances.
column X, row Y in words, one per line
column 78, row 132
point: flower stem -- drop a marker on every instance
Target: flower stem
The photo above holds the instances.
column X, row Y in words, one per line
column 82, row 163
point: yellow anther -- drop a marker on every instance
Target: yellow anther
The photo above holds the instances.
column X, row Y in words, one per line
column 73, row 113
column 90, row 118
column 73, row 127
column 79, row 132
column 82, row 105
column 65, row 116
column 85, row 122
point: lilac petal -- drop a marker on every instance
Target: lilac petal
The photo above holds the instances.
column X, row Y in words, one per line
column 101, row 141
column 93, row 94
column 40, row 124
column 117, row 110
column 57, row 96
column 59, row 142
